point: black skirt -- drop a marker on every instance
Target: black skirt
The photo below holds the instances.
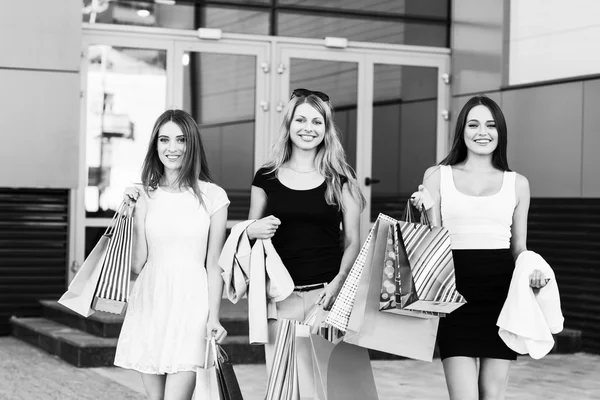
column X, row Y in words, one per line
column 483, row 278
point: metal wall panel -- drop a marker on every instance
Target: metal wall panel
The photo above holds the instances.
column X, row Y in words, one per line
column 477, row 45
column 33, row 250
column 39, row 128
column 591, row 139
column 40, row 34
column 545, row 127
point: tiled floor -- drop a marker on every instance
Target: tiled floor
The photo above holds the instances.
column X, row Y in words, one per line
column 29, row 373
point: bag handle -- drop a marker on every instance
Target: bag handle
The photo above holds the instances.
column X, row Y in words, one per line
column 122, row 211
column 210, row 346
column 409, row 217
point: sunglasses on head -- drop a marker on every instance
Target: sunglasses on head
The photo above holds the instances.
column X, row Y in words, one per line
column 306, row 92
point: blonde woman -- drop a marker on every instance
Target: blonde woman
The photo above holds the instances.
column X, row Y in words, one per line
column 300, row 199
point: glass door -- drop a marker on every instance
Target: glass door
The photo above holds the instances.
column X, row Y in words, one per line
column 125, row 82
column 408, row 98
column 389, row 105
column 224, row 86
column 340, row 74
column 334, row 73
column 407, row 131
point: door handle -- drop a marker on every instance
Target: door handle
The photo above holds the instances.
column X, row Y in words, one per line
column 369, row 181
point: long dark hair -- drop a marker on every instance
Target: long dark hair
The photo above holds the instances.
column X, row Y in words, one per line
column 458, row 153
column 194, row 166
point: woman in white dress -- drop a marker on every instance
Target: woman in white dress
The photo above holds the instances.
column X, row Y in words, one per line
column 179, row 230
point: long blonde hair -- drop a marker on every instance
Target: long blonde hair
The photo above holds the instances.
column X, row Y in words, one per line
column 331, row 157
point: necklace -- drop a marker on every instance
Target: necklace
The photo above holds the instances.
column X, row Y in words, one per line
column 302, row 172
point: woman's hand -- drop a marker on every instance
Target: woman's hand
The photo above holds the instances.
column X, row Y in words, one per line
column 330, row 293
column 422, row 198
column 131, row 195
column 263, row 228
column 537, row 280
column 216, row 330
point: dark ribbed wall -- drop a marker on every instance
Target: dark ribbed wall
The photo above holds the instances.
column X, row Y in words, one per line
column 33, row 250
column 566, row 232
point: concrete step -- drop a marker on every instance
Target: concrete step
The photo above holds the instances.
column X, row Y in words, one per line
column 83, row 349
column 101, row 324
column 72, row 345
column 234, row 318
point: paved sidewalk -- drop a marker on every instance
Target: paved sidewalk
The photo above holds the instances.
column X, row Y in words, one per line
column 27, row 373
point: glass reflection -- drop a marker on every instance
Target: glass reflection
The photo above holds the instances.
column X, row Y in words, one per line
column 220, row 92
column 126, row 91
column 404, row 133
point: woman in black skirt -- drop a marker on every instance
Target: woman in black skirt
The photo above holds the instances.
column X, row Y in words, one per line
column 484, row 206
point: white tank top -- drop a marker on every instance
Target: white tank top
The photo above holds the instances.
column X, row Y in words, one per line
column 477, row 222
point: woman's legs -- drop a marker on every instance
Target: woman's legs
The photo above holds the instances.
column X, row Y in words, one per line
column 180, row 386
column 493, row 378
column 461, row 377
column 154, row 385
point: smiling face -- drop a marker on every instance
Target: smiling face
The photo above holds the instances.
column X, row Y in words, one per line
column 171, row 146
column 307, row 129
column 480, row 135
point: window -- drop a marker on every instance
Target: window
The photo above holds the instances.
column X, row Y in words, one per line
column 412, row 22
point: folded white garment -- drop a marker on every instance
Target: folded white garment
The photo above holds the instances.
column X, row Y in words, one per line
column 528, row 319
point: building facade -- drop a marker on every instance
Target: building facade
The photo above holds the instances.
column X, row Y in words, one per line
column 83, row 82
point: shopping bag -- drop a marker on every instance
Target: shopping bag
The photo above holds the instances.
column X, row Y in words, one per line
column 207, row 383
column 387, row 296
column 332, row 370
column 342, row 307
column 283, row 378
column 113, row 287
column 81, row 290
column 229, row 388
column 408, row 335
column 80, row 294
column 425, row 280
column 391, row 282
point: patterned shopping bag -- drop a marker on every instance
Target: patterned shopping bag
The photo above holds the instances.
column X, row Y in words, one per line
column 391, row 279
column 112, row 292
column 425, row 279
column 342, row 307
column 387, row 298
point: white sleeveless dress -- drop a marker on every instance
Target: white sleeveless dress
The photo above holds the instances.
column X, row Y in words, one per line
column 165, row 324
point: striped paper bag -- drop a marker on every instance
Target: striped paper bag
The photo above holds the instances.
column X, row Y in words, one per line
column 112, row 292
column 425, row 278
column 390, row 279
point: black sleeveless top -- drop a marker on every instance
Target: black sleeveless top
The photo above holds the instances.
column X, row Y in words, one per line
column 308, row 239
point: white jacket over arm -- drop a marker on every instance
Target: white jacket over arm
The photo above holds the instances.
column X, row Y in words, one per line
column 255, row 270
column 528, row 319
